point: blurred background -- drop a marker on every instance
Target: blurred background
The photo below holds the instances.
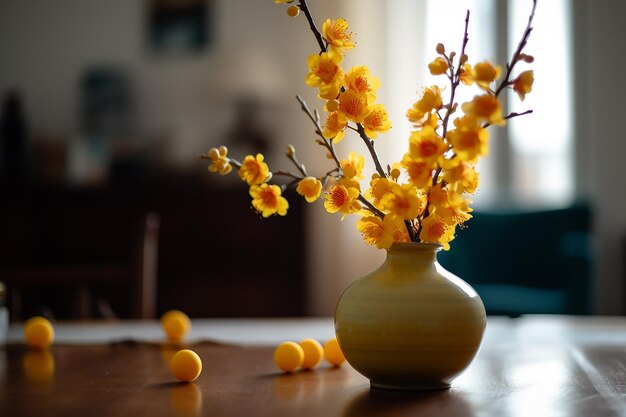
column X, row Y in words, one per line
column 107, row 212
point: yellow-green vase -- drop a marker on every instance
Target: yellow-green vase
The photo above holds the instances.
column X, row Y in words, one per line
column 410, row 324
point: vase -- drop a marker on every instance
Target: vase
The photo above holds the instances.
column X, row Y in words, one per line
column 410, row 324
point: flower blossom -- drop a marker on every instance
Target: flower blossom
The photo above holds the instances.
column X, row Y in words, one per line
column 325, row 73
column 468, row 139
column 523, row 84
column 335, row 33
column 219, row 161
column 267, row 200
column 353, row 166
column 253, row 170
column 310, row 188
column 376, row 121
column 376, row 231
column 436, row 230
column 340, row 198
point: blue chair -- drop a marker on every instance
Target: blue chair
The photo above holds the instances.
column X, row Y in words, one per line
column 527, row 262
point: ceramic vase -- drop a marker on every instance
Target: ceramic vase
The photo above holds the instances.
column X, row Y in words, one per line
column 410, row 324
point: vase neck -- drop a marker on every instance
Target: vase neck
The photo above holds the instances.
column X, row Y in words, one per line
column 413, row 253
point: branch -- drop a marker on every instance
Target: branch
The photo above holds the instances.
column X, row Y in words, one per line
column 320, row 40
column 371, row 207
column 370, row 147
column 518, row 51
column 318, row 130
column 510, row 116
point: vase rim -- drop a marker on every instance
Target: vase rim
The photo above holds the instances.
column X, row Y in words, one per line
column 416, row 246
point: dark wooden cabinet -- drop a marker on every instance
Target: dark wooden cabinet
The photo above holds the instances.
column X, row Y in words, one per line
column 216, row 256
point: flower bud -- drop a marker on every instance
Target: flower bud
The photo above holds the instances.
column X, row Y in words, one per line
column 290, row 151
column 293, row 11
column 441, row 49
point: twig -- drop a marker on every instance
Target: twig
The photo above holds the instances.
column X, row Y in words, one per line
column 454, row 83
column 370, row 147
column 518, row 51
column 318, row 130
column 320, row 40
column 510, row 116
column 371, row 207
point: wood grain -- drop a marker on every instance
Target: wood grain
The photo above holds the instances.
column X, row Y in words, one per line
column 537, row 367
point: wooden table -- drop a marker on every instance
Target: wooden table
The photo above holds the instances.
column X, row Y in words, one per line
column 531, row 366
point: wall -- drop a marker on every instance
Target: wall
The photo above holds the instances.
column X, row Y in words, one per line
column 45, row 46
column 600, row 93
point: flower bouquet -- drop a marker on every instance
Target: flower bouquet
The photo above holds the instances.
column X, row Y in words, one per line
column 425, row 196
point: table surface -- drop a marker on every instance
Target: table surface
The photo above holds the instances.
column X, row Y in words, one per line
column 530, row 366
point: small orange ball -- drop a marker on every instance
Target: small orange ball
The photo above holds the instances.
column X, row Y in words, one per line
column 332, row 352
column 289, row 356
column 38, row 332
column 176, row 325
column 186, row 365
column 313, row 353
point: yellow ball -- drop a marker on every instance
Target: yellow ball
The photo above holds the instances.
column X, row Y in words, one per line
column 176, row 325
column 186, row 365
column 333, row 354
column 313, row 353
column 289, row 356
column 38, row 332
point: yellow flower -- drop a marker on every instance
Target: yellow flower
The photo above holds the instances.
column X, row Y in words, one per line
column 457, row 211
column 353, row 166
column 466, row 74
column 253, row 170
column 334, row 31
column 340, row 198
column 426, row 145
column 484, row 73
column 438, row 66
column 378, row 188
column 219, row 161
column 310, row 188
column 352, row 106
column 468, row 139
column 325, row 73
column 461, row 176
column 267, row 200
column 376, row 121
column 430, row 100
column 333, row 128
column 436, row 230
column 419, row 172
column 360, row 80
column 403, row 202
column 523, row 84
column 376, row 231
column 485, row 107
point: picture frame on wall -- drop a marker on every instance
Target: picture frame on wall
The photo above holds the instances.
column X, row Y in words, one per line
column 179, row 26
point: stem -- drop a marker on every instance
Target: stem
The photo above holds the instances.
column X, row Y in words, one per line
column 320, row 40
column 371, row 207
column 455, row 79
column 318, row 130
column 518, row 51
column 370, row 147
column 510, row 116
column 287, row 174
column 292, row 157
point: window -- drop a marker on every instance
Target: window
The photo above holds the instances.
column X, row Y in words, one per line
column 531, row 160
